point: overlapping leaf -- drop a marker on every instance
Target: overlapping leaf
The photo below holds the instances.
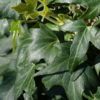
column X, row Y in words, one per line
column 93, row 9
column 45, row 45
column 73, row 26
column 5, row 8
column 60, row 62
column 63, row 58
column 80, row 42
column 78, row 49
column 5, row 45
column 8, row 73
column 95, row 37
column 25, row 81
column 27, row 8
column 4, row 26
column 74, row 87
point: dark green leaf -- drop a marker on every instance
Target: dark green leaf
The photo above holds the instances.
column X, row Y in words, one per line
column 25, row 82
column 74, row 89
column 78, row 49
column 93, row 9
column 60, row 62
column 45, row 45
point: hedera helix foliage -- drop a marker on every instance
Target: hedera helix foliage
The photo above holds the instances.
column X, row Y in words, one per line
column 56, row 40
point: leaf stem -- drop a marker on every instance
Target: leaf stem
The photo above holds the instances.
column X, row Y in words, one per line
column 87, row 97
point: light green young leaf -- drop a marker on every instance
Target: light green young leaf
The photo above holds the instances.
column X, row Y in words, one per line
column 27, row 9
column 52, row 26
column 16, row 29
column 32, row 3
column 21, row 8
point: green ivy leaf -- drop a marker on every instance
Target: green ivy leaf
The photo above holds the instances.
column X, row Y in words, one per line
column 5, row 8
column 60, row 62
column 95, row 37
column 5, row 45
column 4, row 26
column 74, row 89
column 77, row 55
column 80, row 42
column 27, row 9
column 9, row 77
column 58, row 48
column 46, row 44
column 73, row 26
column 25, row 81
column 93, row 9
column 53, row 27
column 21, row 8
column 16, row 29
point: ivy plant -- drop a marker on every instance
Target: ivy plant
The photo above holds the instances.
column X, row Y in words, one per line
column 50, row 50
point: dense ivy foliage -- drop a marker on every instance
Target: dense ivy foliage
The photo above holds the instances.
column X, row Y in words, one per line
column 50, row 49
